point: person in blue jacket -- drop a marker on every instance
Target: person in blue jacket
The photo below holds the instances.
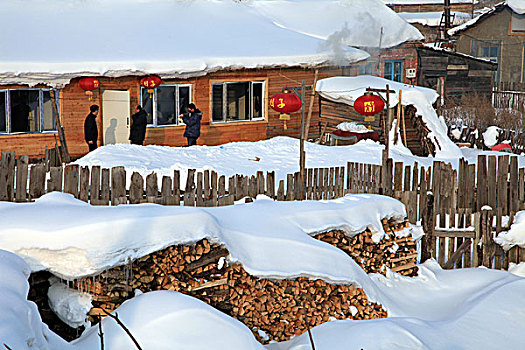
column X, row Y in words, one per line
column 193, row 124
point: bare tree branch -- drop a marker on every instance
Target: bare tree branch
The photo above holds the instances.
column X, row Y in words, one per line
column 119, row 322
column 100, row 333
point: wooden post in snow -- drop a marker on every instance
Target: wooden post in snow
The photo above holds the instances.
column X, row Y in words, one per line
column 60, row 129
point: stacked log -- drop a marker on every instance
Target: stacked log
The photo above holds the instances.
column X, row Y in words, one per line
column 272, row 309
column 397, row 253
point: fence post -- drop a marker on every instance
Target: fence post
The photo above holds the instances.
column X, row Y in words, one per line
column 136, row 188
column 118, row 185
column 428, row 226
column 189, row 193
column 7, row 176
column 37, row 181
column 55, row 179
column 71, row 179
column 486, row 237
column 21, row 178
column 83, row 194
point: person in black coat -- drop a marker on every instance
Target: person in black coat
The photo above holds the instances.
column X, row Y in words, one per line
column 137, row 132
column 193, row 124
column 91, row 129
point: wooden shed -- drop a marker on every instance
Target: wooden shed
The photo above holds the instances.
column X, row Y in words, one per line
column 453, row 74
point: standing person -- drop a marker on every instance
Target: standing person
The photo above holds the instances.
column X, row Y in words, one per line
column 193, row 124
column 91, row 129
column 137, row 132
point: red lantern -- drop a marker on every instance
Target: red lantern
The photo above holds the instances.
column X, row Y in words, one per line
column 285, row 102
column 88, row 85
column 150, row 82
column 369, row 104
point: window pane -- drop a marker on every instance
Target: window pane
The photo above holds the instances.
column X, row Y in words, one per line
column 49, row 114
column 184, row 99
column 216, row 96
column 388, row 70
column 166, row 105
column 237, row 97
column 3, row 122
column 24, row 110
column 147, row 105
column 257, row 100
column 493, row 52
column 398, row 71
column 485, row 51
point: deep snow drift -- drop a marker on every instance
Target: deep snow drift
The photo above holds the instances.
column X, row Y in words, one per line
column 438, row 309
column 21, row 326
column 170, row 320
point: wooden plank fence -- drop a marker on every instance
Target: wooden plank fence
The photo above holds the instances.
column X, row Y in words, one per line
column 100, row 186
column 453, row 205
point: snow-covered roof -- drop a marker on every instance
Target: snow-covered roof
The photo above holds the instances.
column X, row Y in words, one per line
column 354, row 22
column 61, row 39
column 517, row 6
column 433, row 19
column 422, row 2
column 434, row 46
column 348, row 89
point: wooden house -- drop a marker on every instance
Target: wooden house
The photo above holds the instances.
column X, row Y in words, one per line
column 497, row 35
column 226, row 57
column 430, row 5
column 454, row 74
column 416, row 126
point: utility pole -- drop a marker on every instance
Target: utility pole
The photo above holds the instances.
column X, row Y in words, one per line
column 386, row 130
column 447, row 18
column 301, row 91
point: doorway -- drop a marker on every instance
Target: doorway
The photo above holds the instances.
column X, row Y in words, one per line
column 115, row 116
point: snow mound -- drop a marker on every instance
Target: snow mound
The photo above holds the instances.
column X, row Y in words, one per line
column 246, row 158
column 348, row 89
column 70, row 305
column 515, row 236
column 269, row 238
column 439, row 309
column 170, row 320
column 490, row 136
column 353, row 127
column 21, row 327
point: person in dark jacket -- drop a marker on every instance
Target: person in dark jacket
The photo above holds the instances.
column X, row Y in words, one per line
column 91, row 129
column 193, row 124
column 137, row 132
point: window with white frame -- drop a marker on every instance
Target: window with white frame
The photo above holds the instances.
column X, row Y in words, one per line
column 166, row 103
column 237, row 101
column 26, row 110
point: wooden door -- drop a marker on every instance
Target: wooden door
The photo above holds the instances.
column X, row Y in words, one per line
column 115, row 116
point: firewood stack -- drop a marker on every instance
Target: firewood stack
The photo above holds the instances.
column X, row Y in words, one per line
column 280, row 309
column 397, row 253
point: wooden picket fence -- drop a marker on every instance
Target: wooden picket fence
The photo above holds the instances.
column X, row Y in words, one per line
column 432, row 195
column 103, row 186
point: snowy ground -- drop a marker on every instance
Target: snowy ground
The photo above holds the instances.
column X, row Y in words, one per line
column 458, row 309
column 461, row 309
column 246, row 158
